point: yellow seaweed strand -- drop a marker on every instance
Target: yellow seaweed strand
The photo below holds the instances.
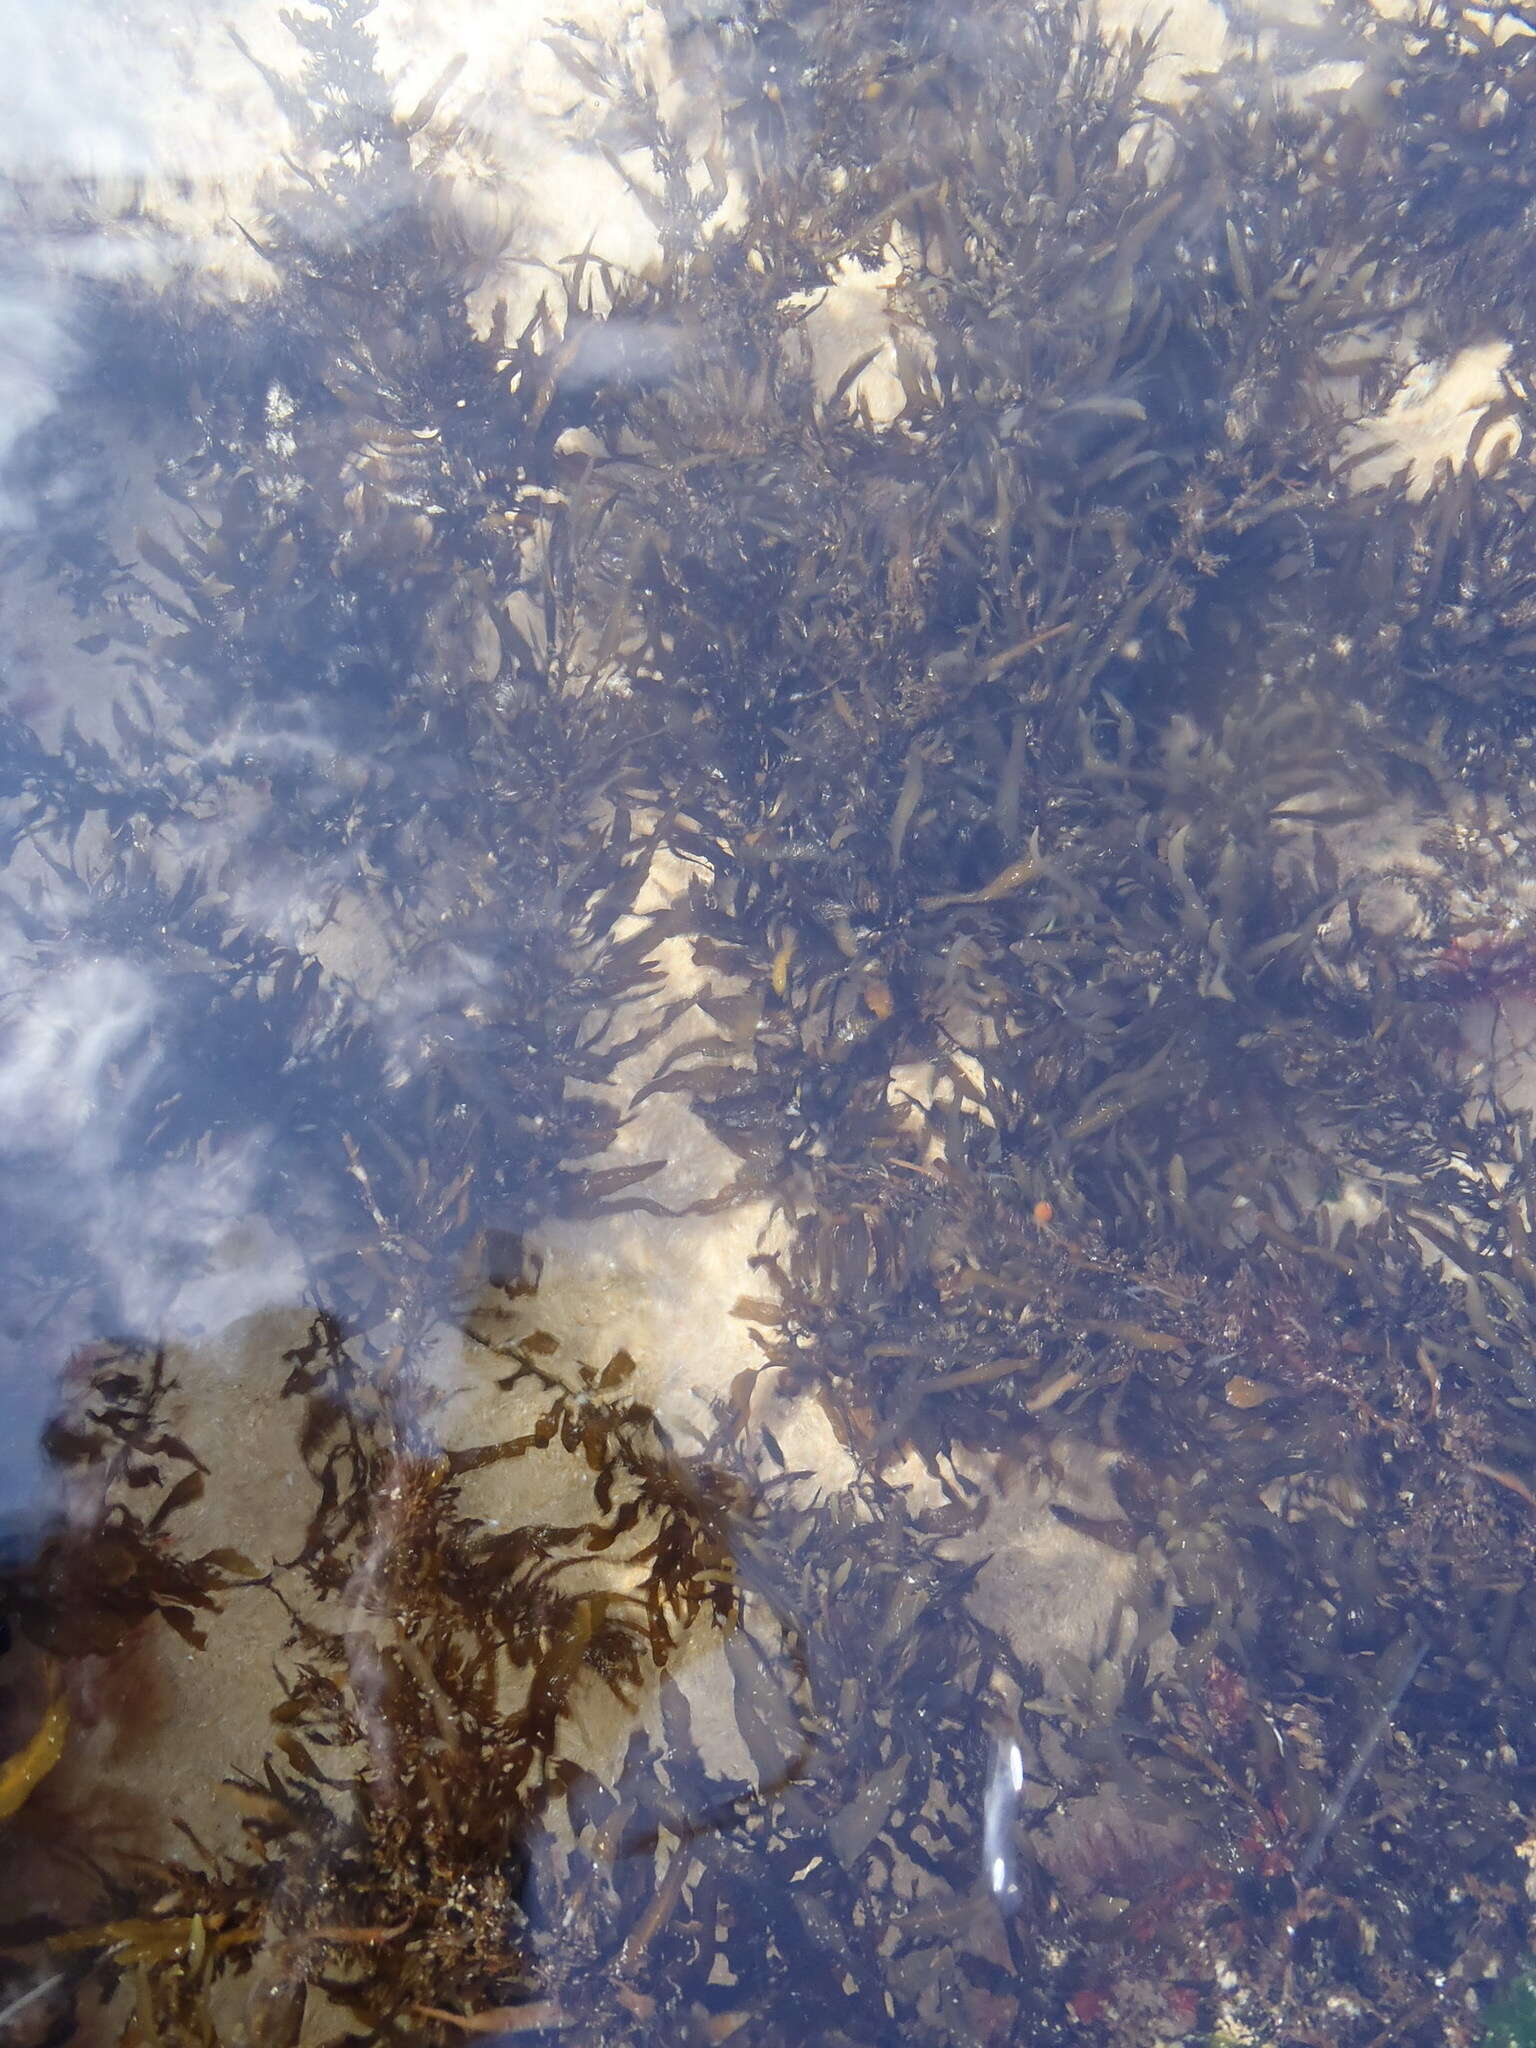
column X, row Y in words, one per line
column 21, row 1774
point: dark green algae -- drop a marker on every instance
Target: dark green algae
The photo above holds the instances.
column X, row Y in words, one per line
column 1010, row 739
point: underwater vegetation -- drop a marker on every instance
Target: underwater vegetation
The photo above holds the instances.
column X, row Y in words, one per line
column 1013, row 742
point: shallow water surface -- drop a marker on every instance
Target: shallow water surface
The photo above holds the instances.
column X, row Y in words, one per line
column 767, row 1028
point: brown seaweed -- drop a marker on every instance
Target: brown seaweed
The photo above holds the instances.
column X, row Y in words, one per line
column 1009, row 743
